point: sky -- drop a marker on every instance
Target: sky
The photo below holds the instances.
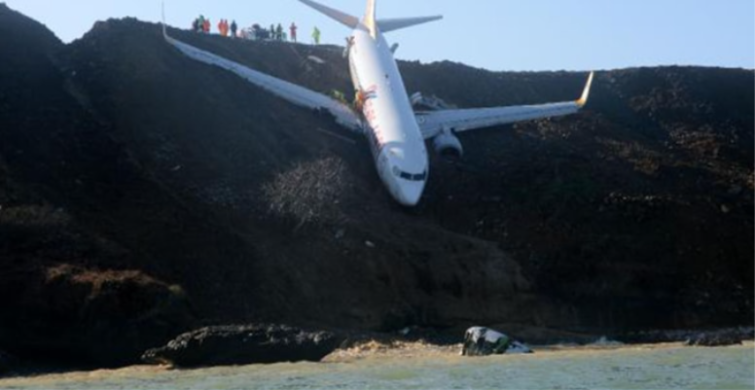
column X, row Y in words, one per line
column 517, row 35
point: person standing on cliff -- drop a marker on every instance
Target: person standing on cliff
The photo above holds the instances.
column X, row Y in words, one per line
column 292, row 29
column 234, row 27
column 316, row 35
column 200, row 24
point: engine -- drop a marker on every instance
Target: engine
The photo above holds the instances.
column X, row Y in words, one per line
column 447, row 145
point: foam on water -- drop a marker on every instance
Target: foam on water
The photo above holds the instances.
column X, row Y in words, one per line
column 669, row 366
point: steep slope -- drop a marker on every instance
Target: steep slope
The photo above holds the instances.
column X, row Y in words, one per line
column 639, row 208
column 635, row 213
column 639, row 190
column 69, row 293
column 302, row 203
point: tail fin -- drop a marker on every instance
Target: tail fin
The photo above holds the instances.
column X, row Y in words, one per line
column 369, row 18
column 397, row 24
column 343, row 18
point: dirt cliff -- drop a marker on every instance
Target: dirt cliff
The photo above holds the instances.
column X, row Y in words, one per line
column 121, row 158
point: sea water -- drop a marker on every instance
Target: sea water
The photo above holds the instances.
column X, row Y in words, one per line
column 670, row 366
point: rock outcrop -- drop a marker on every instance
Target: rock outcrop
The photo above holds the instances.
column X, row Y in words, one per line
column 712, row 337
column 243, row 344
column 715, row 339
column 101, row 317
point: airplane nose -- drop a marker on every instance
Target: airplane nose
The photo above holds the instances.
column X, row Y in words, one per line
column 409, row 194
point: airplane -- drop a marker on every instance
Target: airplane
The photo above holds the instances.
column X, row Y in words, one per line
column 382, row 110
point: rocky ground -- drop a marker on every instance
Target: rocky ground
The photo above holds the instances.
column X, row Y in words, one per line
column 243, row 344
column 143, row 195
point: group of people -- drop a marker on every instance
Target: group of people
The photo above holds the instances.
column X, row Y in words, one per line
column 277, row 33
column 202, row 25
column 225, row 28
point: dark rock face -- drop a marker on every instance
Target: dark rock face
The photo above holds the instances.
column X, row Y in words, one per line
column 70, row 294
column 7, row 362
column 89, row 317
column 243, row 344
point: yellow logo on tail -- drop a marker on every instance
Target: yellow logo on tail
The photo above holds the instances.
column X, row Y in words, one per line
column 369, row 18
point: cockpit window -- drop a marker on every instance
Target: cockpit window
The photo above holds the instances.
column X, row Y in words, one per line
column 408, row 176
column 420, row 176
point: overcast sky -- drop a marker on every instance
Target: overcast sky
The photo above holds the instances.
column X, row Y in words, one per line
column 492, row 34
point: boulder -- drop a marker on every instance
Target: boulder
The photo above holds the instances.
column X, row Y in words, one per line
column 243, row 344
column 481, row 341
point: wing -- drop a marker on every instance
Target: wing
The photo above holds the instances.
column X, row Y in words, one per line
column 293, row 93
column 434, row 122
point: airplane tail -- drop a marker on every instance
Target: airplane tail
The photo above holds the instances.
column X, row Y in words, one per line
column 370, row 21
column 369, row 18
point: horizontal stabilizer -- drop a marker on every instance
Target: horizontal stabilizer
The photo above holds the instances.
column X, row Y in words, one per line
column 343, row 18
column 387, row 25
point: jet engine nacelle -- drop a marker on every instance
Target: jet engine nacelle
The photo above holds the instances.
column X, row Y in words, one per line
column 447, row 145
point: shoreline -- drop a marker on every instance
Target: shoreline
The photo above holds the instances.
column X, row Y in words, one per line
column 363, row 346
column 370, row 352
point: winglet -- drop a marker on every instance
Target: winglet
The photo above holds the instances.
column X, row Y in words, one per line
column 165, row 32
column 586, row 93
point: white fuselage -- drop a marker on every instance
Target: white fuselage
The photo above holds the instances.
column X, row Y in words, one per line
column 395, row 139
column 384, row 113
